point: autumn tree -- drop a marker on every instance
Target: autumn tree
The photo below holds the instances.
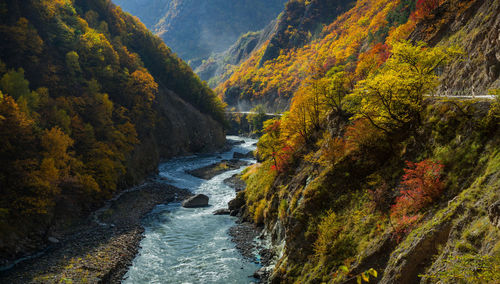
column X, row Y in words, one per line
column 420, row 186
column 14, row 84
column 338, row 85
column 55, row 167
column 393, row 98
column 269, row 144
column 17, row 151
column 142, row 84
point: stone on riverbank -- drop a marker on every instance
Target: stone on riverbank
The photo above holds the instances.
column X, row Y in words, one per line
column 236, row 182
column 199, row 200
column 237, row 202
column 238, row 155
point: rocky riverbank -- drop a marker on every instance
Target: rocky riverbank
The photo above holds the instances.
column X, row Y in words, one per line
column 103, row 247
column 249, row 238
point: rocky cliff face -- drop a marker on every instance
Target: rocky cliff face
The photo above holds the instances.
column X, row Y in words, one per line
column 219, row 67
column 475, row 27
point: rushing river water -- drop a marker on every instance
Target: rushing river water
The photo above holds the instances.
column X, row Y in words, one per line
column 192, row 245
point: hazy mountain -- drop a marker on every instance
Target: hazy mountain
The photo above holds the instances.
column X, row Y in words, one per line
column 196, row 29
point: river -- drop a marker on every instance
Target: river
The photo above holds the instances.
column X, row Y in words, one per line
column 192, row 245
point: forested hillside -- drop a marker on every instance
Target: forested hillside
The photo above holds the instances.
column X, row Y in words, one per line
column 197, row 29
column 375, row 170
column 90, row 101
column 359, row 39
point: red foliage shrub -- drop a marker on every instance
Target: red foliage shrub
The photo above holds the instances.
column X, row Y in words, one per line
column 420, row 186
column 282, row 158
column 425, row 7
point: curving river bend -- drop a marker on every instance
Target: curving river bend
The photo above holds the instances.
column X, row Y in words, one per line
column 192, row 245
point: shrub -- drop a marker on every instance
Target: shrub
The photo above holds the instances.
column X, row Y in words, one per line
column 420, row 186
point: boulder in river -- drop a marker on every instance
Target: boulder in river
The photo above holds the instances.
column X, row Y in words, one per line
column 199, row 200
column 238, row 155
column 53, row 240
column 222, row 212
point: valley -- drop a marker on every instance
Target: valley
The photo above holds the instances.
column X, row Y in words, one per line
column 348, row 141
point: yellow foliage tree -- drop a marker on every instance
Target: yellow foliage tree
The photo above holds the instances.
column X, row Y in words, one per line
column 393, row 98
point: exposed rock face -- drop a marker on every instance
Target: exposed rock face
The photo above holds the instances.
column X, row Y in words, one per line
column 494, row 214
column 475, row 27
column 199, row 200
column 407, row 263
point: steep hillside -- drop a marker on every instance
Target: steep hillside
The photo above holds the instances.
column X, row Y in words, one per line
column 277, row 68
column 475, row 26
column 369, row 174
column 296, row 26
column 90, row 101
column 302, row 43
column 197, row 29
column 219, row 67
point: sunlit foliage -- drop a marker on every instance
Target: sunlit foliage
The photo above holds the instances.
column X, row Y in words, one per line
column 80, row 83
column 393, row 98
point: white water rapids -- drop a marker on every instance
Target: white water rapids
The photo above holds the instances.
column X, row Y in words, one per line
column 192, row 245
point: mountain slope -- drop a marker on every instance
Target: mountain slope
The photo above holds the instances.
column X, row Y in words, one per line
column 270, row 79
column 368, row 174
column 90, row 101
column 195, row 30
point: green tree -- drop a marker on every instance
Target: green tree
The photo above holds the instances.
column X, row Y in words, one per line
column 14, row 84
column 72, row 63
column 257, row 117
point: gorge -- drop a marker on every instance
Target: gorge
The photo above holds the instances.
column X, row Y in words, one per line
column 374, row 155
